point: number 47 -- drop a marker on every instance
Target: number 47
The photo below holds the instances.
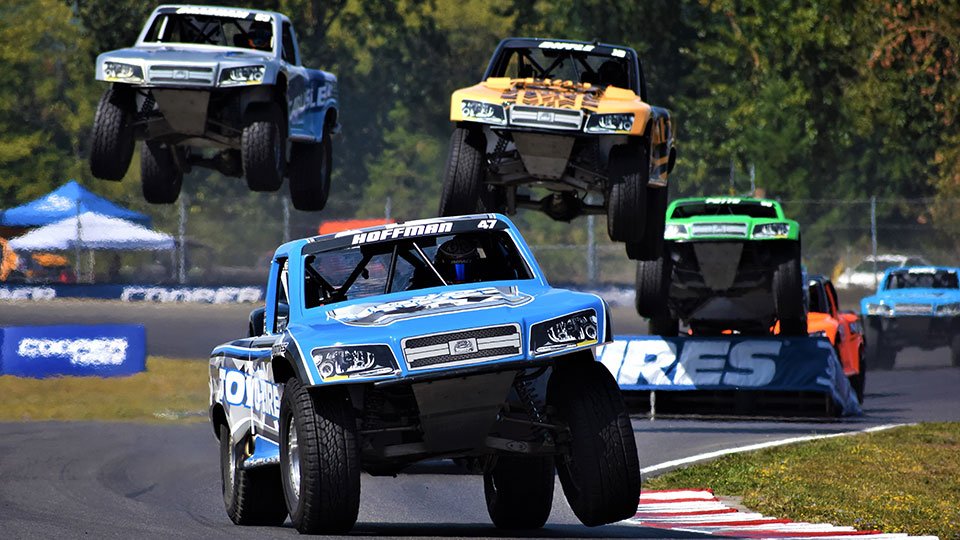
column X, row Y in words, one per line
column 487, row 224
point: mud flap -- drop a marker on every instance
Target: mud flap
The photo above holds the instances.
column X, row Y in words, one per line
column 734, row 367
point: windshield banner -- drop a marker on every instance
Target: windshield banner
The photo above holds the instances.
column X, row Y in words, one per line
column 43, row 351
column 728, row 363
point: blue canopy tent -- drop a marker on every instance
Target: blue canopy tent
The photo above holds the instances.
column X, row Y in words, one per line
column 69, row 200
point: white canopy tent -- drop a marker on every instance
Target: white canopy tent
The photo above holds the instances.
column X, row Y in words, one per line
column 89, row 231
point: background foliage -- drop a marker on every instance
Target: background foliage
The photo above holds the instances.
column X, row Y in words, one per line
column 830, row 100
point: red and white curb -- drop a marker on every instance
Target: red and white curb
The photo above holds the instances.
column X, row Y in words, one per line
column 701, row 512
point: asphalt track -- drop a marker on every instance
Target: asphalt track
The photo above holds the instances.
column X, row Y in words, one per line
column 113, row 480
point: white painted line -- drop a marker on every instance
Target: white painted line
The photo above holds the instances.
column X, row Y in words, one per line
column 759, row 446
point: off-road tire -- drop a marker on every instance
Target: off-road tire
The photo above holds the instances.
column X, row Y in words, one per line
column 519, row 491
column 112, row 138
column 955, row 350
column 627, row 192
column 159, row 174
column 310, row 168
column 788, row 296
column 254, row 496
column 319, row 459
column 858, row 381
column 651, row 246
column 463, row 177
column 878, row 355
column 600, row 474
column 263, row 150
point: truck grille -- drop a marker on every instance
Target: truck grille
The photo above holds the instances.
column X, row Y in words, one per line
column 719, row 229
column 462, row 347
column 181, row 74
column 913, row 309
column 545, row 117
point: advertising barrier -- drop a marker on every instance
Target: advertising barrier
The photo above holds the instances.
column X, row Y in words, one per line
column 730, row 363
column 43, row 351
column 135, row 293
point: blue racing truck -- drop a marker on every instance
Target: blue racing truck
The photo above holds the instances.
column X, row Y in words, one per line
column 221, row 88
column 385, row 346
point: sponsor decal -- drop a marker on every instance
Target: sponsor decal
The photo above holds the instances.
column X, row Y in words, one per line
column 220, row 295
column 566, row 46
column 27, row 293
column 749, row 363
column 430, row 304
column 222, row 12
column 80, row 352
column 391, row 233
column 251, row 391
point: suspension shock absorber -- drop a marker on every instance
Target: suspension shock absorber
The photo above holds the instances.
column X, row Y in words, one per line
column 147, row 107
column 524, row 386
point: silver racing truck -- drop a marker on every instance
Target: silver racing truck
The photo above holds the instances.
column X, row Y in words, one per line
column 221, row 88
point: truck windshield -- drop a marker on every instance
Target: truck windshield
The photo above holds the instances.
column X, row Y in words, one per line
column 224, row 31
column 404, row 265
column 577, row 66
column 713, row 209
column 922, row 279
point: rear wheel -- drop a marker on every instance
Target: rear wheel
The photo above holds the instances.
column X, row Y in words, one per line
column 252, row 497
column 310, row 167
column 161, row 177
column 627, row 193
column 263, row 148
column 878, row 354
column 788, row 296
column 600, row 474
column 319, row 459
column 112, row 137
column 519, row 491
column 651, row 245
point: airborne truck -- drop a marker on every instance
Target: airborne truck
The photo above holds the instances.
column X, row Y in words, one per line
column 563, row 127
column 220, row 88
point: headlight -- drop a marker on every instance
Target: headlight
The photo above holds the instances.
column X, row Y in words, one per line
column 672, row 231
column 878, row 309
column 570, row 331
column 819, row 333
column 115, row 71
column 771, row 230
column 353, row 361
column 482, row 111
column 948, row 310
column 242, row 75
column 609, row 123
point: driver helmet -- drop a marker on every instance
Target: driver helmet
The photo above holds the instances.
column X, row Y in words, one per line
column 459, row 260
column 260, row 34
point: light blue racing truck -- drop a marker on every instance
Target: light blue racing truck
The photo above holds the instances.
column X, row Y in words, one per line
column 436, row 339
column 220, row 88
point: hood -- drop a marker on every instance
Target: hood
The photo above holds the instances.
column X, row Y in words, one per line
column 187, row 53
column 555, row 92
column 919, row 295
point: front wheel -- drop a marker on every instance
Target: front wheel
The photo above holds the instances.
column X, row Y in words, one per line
column 627, row 193
column 955, row 350
column 161, row 178
column 310, row 167
column 858, row 381
column 519, row 491
column 112, row 138
column 252, row 497
column 319, row 459
column 463, row 177
column 651, row 246
column 263, row 151
column 788, row 296
column 600, row 473
column 878, row 354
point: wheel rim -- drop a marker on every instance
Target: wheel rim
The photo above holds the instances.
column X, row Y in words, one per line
column 293, row 461
column 232, row 466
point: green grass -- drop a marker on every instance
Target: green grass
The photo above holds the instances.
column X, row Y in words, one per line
column 168, row 390
column 905, row 479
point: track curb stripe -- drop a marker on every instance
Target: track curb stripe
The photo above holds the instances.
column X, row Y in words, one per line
column 699, row 511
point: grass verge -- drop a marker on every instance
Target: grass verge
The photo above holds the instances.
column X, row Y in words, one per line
column 168, row 390
column 905, row 479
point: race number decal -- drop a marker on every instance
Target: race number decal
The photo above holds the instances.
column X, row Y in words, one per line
column 487, row 224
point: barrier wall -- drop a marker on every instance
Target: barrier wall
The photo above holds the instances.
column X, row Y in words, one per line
column 729, row 363
column 43, row 351
column 135, row 293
